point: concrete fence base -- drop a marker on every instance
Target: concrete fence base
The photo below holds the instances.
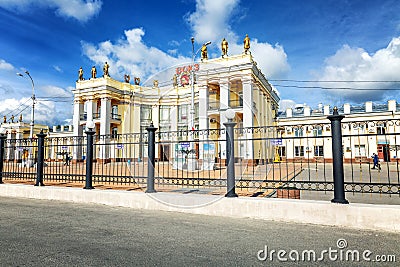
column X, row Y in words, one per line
column 359, row 216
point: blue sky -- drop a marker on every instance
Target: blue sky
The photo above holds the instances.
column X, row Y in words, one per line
column 354, row 40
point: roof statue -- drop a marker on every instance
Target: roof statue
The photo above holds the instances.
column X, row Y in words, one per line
column 246, row 43
column 105, row 70
column 175, row 80
column 80, row 74
column 224, row 47
column 204, row 54
column 94, row 72
column 127, row 78
column 137, row 80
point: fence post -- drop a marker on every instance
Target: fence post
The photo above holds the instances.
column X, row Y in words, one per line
column 151, row 158
column 40, row 160
column 89, row 158
column 2, row 141
column 337, row 152
column 230, row 158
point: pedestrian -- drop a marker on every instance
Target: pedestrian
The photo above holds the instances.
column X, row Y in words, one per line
column 375, row 159
column 67, row 159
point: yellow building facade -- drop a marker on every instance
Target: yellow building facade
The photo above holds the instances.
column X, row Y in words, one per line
column 231, row 82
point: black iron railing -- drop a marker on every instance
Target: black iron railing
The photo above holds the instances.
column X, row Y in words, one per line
column 266, row 159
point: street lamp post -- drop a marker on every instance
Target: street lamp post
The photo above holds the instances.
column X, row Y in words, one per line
column 191, row 161
column 32, row 124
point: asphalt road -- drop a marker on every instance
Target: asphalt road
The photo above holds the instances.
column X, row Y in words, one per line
column 51, row 233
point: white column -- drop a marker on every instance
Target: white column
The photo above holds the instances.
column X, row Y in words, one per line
column 224, row 104
column 224, row 89
column 91, row 107
column 248, row 116
column 78, row 110
column 105, row 115
column 11, row 146
column 203, row 107
column 18, row 151
column 173, row 118
column 78, row 130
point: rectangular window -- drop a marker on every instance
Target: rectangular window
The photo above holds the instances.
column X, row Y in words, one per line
column 145, row 120
column 282, row 151
column 196, row 111
column 299, row 151
column 359, row 129
column 164, row 129
column 318, row 151
column 114, row 132
column 164, row 114
column 359, row 151
column 182, row 132
column 145, row 113
column 182, row 114
column 298, row 132
column 381, row 128
column 317, row 131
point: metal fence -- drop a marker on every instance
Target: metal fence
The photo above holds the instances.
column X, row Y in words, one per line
column 267, row 161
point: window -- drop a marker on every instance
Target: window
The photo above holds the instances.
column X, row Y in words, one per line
column 114, row 132
column 298, row 132
column 318, row 151
column 145, row 113
column 114, row 109
column 164, row 114
column 196, row 111
column 317, row 131
column 381, row 128
column 182, row 132
column 163, row 129
column 299, row 151
column 182, row 114
column 145, row 117
column 359, row 129
column 359, row 151
column 282, row 151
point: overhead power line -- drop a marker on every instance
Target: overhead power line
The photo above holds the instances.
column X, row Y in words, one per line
column 327, row 81
column 336, row 88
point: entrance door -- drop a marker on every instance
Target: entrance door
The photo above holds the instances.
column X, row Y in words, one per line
column 384, row 152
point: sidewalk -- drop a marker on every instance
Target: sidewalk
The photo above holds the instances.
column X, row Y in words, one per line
column 353, row 215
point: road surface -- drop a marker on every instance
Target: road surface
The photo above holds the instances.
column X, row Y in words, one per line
column 51, row 233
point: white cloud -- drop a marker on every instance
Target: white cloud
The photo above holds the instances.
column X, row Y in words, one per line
column 211, row 22
column 81, row 10
column 130, row 55
column 4, row 65
column 355, row 64
column 272, row 60
column 53, row 105
column 55, row 91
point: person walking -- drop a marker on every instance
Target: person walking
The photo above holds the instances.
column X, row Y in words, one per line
column 375, row 159
column 67, row 159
